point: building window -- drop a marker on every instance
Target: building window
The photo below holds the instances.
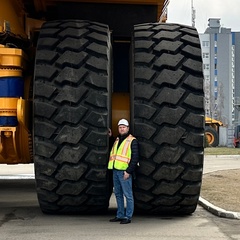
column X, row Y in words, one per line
column 205, row 55
column 205, row 43
column 207, row 77
column 206, row 66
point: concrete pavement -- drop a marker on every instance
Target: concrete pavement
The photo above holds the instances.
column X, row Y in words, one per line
column 211, row 163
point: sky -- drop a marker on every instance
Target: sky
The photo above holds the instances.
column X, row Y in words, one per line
column 179, row 11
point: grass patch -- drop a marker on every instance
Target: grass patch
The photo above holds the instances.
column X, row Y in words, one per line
column 221, row 151
column 222, row 188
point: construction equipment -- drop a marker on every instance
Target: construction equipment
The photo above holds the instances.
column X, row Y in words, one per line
column 212, row 131
column 236, row 139
column 70, row 70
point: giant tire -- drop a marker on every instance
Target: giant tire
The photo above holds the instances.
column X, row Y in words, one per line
column 71, row 116
column 168, row 117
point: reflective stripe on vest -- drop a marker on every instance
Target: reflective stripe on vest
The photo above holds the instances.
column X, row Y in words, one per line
column 120, row 158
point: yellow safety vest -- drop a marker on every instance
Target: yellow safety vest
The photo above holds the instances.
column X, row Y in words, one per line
column 120, row 157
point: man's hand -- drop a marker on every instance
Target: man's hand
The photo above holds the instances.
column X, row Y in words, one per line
column 126, row 175
column 109, row 132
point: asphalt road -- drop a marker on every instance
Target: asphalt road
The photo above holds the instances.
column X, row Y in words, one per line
column 21, row 218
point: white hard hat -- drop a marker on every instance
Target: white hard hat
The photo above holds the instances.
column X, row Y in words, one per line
column 123, row 122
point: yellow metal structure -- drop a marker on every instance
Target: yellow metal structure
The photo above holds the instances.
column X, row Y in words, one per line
column 6, row 72
column 213, row 123
column 121, row 109
column 15, row 141
column 14, row 20
column 12, row 17
column 12, row 57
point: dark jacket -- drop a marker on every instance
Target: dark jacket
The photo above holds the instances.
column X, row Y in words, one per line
column 135, row 153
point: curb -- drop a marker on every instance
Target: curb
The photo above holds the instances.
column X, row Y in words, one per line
column 224, row 156
column 218, row 211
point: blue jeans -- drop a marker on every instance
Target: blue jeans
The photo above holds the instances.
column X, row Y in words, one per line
column 123, row 188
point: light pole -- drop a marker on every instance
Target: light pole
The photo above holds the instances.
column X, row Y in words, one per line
column 193, row 14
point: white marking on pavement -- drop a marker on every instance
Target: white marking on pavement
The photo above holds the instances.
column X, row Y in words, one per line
column 18, row 176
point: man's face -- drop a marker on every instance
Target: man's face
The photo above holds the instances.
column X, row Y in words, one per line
column 122, row 129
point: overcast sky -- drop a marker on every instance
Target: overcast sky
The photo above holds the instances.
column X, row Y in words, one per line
column 179, row 11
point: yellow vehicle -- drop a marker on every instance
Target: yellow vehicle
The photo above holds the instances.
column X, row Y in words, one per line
column 212, row 131
column 70, row 69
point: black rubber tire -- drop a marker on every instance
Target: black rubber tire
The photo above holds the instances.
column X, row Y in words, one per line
column 213, row 135
column 168, row 117
column 71, row 116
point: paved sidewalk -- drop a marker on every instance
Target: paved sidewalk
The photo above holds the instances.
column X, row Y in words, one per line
column 212, row 163
column 17, row 171
column 220, row 162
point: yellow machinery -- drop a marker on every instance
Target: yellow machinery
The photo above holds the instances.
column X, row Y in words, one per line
column 70, row 69
column 15, row 141
column 212, row 131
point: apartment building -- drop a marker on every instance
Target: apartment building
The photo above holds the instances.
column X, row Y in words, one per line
column 221, row 66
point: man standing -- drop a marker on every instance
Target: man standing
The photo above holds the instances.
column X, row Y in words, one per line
column 123, row 160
